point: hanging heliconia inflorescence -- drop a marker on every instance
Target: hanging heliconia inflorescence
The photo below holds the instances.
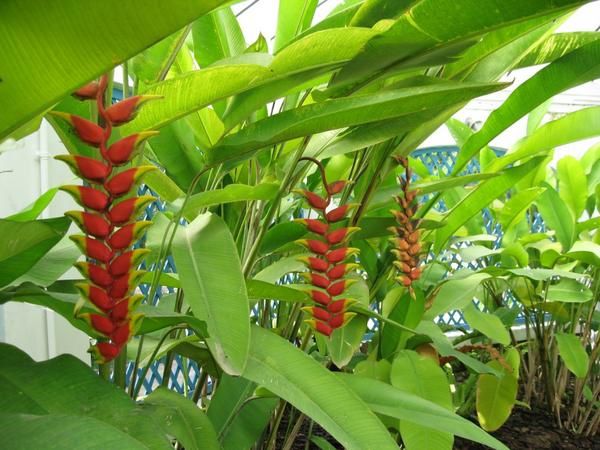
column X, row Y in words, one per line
column 109, row 219
column 328, row 263
column 407, row 236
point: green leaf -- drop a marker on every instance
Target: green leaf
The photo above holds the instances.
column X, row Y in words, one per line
column 201, row 88
column 487, row 323
column 557, row 216
column 297, row 378
column 217, row 36
column 294, row 16
column 182, row 419
column 261, row 289
column 573, row 354
column 434, row 31
column 230, row 193
column 35, row 209
column 569, row 291
column 387, row 400
column 372, row 11
column 572, row 184
column 408, row 312
column 544, row 274
column 479, row 198
column 557, row 45
column 429, row 187
column 495, row 398
column 210, row 272
column 455, row 294
column 87, row 48
column 298, row 64
column 513, row 211
column 24, row 243
column 421, row 376
column 238, row 417
column 573, row 69
column 334, row 114
column 52, row 265
column 38, row 395
column 586, row 252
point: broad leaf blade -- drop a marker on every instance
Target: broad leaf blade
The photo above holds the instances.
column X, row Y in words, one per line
column 210, row 271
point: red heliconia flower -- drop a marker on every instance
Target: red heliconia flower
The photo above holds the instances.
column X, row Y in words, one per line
column 329, row 248
column 109, row 225
column 126, row 236
column 121, row 151
column 127, row 261
column 125, row 110
column 87, row 131
column 407, row 235
column 95, row 273
column 88, row 197
column 127, row 210
column 90, row 223
column 88, row 168
column 87, row 92
column 93, row 248
column 124, row 182
column 314, row 225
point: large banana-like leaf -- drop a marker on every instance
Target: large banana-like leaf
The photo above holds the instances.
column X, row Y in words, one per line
column 297, row 378
column 210, row 271
column 340, row 113
column 578, row 67
column 387, row 400
column 434, row 30
column 62, row 403
column 50, row 50
column 557, row 45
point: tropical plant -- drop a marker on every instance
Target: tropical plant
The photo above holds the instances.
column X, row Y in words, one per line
column 242, row 127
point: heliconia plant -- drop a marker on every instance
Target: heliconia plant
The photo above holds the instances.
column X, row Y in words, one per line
column 328, row 265
column 109, row 220
column 407, row 235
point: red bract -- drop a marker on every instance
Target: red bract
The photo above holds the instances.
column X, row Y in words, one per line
column 88, row 197
column 125, row 110
column 121, row 151
column 89, row 169
column 328, row 313
column 125, row 181
column 86, row 131
column 110, row 227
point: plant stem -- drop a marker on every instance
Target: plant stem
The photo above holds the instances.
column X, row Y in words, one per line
column 119, row 368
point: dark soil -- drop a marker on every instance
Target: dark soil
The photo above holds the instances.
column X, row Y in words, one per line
column 524, row 430
column 533, row 430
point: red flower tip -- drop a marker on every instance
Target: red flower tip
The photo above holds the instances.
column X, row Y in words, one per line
column 87, row 131
column 123, row 182
column 341, row 234
column 125, row 110
column 87, row 197
column 339, row 213
column 339, row 287
column 92, row 248
column 95, row 273
column 313, row 199
column 127, row 261
column 315, row 279
column 90, row 223
column 340, row 270
column 336, row 187
column 314, row 245
column 126, row 236
column 314, row 225
column 104, row 352
column 122, row 151
column 320, row 327
column 313, row 263
column 127, row 210
column 98, row 297
column 320, row 297
column 87, row 92
column 89, row 168
column 340, row 254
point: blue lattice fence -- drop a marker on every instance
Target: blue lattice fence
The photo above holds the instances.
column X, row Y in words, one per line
column 185, row 373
